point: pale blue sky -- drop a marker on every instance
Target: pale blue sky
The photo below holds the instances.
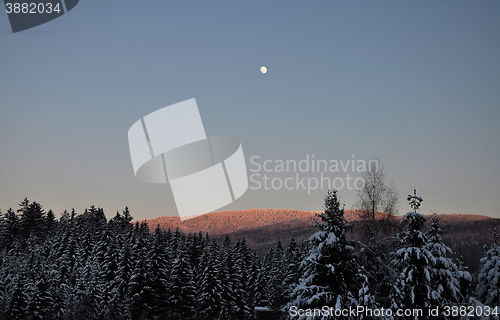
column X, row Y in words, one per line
column 416, row 83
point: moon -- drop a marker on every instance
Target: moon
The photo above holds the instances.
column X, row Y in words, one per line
column 263, row 70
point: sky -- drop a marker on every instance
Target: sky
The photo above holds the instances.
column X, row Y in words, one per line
column 413, row 83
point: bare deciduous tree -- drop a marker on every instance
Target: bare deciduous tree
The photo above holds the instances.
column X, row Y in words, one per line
column 376, row 194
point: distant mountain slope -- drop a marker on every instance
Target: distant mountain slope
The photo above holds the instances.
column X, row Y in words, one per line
column 262, row 228
column 227, row 222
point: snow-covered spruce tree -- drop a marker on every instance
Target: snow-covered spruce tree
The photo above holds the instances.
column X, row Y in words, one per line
column 123, row 275
column 488, row 287
column 292, row 261
column 83, row 303
column 9, row 228
column 65, row 261
column 50, row 222
column 328, row 274
column 464, row 279
column 376, row 284
column 226, row 277
column 259, row 296
column 41, row 303
column 18, row 303
column 159, row 270
column 413, row 263
column 140, row 293
column 445, row 273
column 210, row 300
column 276, row 277
column 108, row 302
column 182, row 294
column 241, row 265
column 32, row 220
column 196, row 245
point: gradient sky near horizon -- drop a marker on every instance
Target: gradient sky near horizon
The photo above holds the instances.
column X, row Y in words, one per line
column 415, row 83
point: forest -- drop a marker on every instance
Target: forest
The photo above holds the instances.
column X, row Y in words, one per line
column 82, row 266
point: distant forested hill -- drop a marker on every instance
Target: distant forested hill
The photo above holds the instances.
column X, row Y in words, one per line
column 262, row 228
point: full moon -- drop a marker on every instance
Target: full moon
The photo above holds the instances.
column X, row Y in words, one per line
column 263, row 70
